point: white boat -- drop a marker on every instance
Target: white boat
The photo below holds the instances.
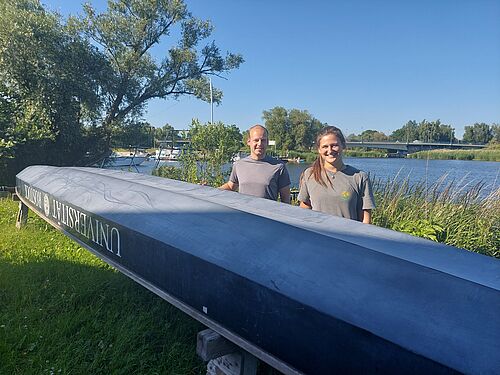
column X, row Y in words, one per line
column 239, row 155
column 116, row 160
column 168, row 153
column 171, row 149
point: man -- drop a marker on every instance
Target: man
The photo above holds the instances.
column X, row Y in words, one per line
column 259, row 175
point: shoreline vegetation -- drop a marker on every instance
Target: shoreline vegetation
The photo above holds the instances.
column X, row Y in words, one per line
column 441, row 212
column 491, row 153
column 487, row 154
column 309, row 157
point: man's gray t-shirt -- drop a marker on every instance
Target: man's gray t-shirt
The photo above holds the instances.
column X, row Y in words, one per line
column 261, row 178
column 349, row 194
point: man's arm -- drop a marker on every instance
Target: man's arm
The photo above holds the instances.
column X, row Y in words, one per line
column 367, row 216
column 229, row 186
column 285, row 194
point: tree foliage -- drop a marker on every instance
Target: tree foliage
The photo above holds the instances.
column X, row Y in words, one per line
column 133, row 133
column 291, row 129
column 479, row 133
column 495, row 132
column 126, row 35
column 368, row 136
column 66, row 88
column 212, row 147
column 424, row 131
column 48, row 89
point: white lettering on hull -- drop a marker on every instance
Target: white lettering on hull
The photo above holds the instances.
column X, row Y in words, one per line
column 96, row 231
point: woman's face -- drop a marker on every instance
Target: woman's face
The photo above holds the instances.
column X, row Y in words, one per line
column 330, row 148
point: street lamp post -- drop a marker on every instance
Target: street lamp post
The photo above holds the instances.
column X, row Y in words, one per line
column 211, row 103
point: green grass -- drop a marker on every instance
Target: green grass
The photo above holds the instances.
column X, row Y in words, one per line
column 487, row 154
column 63, row 311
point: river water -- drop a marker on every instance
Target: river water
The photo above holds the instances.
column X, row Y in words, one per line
column 463, row 173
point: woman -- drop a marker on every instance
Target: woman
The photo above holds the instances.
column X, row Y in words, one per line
column 333, row 187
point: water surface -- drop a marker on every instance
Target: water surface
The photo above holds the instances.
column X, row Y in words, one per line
column 464, row 173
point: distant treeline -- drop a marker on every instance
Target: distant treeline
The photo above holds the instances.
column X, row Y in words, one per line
column 296, row 130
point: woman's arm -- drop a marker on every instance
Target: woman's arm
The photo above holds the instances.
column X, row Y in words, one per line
column 305, row 205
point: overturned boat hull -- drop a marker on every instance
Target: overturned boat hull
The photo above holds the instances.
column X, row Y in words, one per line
column 303, row 291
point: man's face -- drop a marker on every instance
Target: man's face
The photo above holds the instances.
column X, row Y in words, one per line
column 257, row 141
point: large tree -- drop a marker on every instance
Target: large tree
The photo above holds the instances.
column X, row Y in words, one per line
column 276, row 121
column 303, row 129
column 211, row 148
column 495, row 132
column 479, row 133
column 127, row 33
column 407, row 133
column 424, row 131
column 291, row 129
column 48, row 89
column 134, row 134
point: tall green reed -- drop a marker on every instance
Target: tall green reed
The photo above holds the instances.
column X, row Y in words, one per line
column 442, row 211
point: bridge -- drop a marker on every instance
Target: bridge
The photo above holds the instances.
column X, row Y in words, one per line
column 403, row 148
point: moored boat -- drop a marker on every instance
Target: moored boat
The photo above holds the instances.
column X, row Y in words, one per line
column 116, row 160
column 168, row 153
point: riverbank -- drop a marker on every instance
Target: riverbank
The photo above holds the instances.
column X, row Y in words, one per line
column 487, row 154
column 65, row 311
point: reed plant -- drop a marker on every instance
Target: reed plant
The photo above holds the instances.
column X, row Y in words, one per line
column 364, row 153
column 443, row 212
column 488, row 154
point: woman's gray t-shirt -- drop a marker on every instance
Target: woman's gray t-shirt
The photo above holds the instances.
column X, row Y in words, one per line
column 349, row 193
column 260, row 178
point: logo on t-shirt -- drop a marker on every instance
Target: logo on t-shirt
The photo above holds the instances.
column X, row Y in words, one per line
column 345, row 195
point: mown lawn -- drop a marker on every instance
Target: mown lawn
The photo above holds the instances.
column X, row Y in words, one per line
column 63, row 311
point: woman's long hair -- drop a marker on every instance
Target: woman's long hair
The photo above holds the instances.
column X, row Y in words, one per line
column 317, row 167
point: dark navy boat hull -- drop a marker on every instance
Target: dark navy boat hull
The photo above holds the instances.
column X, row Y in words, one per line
column 303, row 291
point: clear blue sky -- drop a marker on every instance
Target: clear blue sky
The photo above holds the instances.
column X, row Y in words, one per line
column 365, row 64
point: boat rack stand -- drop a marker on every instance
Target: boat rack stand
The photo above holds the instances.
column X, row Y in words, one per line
column 224, row 357
column 22, row 214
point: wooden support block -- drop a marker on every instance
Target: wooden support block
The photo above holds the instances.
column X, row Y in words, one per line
column 249, row 365
column 22, row 215
column 210, row 345
column 225, row 358
column 242, row 363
